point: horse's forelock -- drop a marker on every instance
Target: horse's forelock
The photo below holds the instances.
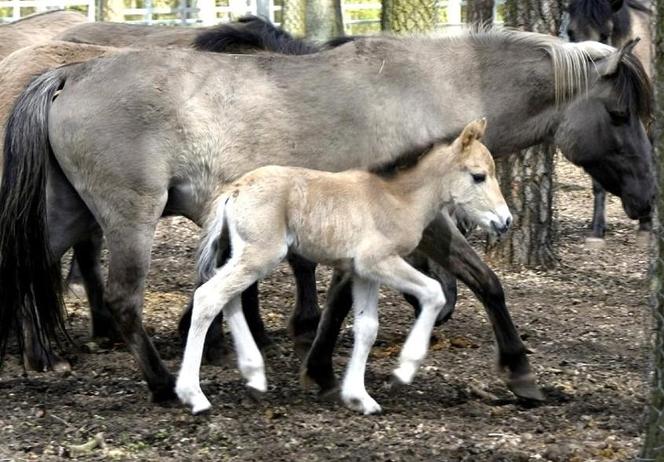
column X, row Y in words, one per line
column 634, row 87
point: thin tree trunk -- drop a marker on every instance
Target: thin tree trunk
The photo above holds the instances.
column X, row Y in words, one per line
column 479, row 12
column 112, row 10
column 408, row 15
column 323, row 19
column 293, row 17
column 653, row 445
column 526, row 178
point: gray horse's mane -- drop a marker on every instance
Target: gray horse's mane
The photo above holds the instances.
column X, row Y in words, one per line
column 572, row 63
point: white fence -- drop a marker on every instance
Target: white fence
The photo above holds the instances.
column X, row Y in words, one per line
column 207, row 12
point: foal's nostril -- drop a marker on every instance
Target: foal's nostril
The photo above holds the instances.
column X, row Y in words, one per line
column 508, row 222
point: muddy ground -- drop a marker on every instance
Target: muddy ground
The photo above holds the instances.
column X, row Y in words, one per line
column 585, row 322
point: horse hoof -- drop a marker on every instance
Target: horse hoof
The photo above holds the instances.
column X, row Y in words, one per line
column 44, row 361
column 364, row 404
column 255, row 394
column 164, row 395
column 302, row 344
column 595, row 242
column 324, row 378
column 525, row 388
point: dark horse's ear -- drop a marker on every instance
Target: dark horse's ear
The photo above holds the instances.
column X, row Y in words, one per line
column 609, row 65
column 616, row 5
column 473, row 131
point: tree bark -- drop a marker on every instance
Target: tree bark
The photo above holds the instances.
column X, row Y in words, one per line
column 408, row 15
column 323, row 19
column 526, row 178
column 653, row 445
column 479, row 12
column 294, row 16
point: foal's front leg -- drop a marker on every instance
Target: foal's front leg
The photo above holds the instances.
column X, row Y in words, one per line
column 365, row 329
column 395, row 272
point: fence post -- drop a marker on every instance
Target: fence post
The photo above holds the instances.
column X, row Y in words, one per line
column 263, row 9
column 16, row 10
column 206, row 12
column 454, row 13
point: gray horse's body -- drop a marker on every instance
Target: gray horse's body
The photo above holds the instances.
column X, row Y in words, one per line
column 130, row 35
column 148, row 133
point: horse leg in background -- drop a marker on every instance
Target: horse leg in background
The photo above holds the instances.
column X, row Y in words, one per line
column 74, row 279
column 317, row 366
column 305, row 318
column 222, row 292
column 87, row 255
column 443, row 243
column 598, row 224
column 446, row 280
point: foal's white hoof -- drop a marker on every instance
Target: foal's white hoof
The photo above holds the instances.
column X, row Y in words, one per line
column 362, row 403
column 193, row 398
column 405, row 373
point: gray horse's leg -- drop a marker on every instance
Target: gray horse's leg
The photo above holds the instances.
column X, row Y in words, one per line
column 129, row 245
column 87, row 255
column 304, row 320
column 598, row 224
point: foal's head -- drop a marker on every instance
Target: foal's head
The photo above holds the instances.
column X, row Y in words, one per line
column 474, row 187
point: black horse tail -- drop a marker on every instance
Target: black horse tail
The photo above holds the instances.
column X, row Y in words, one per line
column 31, row 286
column 250, row 34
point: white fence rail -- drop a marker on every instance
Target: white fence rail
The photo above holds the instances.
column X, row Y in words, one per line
column 207, row 12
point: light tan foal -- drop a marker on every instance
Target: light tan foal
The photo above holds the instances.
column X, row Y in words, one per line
column 360, row 221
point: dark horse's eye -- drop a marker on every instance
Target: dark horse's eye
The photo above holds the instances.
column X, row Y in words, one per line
column 479, row 177
column 618, row 117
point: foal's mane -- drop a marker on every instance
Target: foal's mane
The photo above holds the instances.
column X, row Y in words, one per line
column 407, row 159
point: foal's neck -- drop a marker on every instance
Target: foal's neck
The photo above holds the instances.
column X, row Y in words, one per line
column 424, row 186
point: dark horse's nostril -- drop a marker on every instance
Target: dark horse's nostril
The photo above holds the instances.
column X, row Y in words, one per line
column 508, row 222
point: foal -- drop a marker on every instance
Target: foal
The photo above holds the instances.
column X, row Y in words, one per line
column 363, row 222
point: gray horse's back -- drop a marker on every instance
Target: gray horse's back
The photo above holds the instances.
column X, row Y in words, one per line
column 129, row 35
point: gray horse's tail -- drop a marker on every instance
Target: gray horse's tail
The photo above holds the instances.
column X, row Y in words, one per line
column 250, row 34
column 30, row 281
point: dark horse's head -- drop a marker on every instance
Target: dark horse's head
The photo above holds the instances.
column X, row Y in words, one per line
column 603, row 21
column 604, row 132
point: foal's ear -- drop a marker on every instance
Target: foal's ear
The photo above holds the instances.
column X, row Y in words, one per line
column 609, row 65
column 473, row 131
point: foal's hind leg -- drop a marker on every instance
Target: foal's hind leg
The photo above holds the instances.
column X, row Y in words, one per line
column 223, row 291
column 304, row 321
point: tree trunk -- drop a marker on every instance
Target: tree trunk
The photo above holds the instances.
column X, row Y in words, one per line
column 653, row 445
column 408, row 15
column 526, row 178
column 323, row 19
column 293, row 17
column 479, row 12
column 111, row 10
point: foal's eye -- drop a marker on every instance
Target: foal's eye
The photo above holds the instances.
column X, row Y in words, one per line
column 479, row 177
column 618, row 117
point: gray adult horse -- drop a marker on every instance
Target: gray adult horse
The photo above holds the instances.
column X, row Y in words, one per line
column 150, row 133
column 614, row 22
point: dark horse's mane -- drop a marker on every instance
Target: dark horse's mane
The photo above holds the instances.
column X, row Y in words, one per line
column 251, row 34
column 598, row 12
column 408, row 159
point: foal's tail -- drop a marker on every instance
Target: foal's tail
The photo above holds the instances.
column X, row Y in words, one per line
column 216, row 239
column 30, row 281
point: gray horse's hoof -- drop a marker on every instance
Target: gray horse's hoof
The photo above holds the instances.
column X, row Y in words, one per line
column 525, row 388
column 255, row 394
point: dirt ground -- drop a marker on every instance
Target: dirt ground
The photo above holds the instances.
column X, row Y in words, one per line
column 585, row 322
